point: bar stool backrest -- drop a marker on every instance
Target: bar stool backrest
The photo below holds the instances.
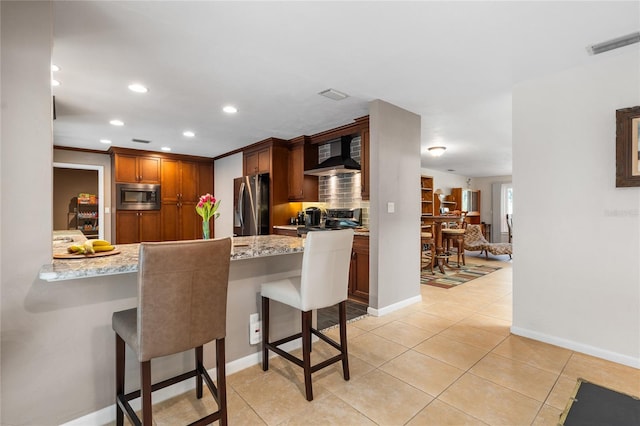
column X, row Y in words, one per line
column 182, row 295
column 325, row 268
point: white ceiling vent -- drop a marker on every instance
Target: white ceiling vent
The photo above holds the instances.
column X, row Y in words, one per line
column 334, row 94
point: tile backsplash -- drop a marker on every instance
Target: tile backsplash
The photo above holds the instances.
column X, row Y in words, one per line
column 342, row 190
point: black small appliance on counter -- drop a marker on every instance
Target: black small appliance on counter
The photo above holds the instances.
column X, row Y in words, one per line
column 335, row 219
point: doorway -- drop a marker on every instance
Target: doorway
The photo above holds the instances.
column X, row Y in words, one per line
column 78, row 198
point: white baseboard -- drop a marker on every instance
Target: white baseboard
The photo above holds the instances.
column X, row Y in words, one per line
column 578, row 347
column 108, row 414
column 394, row 307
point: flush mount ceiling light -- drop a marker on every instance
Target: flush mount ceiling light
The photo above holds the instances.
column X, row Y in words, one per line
column 105, row 141
column 116, row 123
column 188, row 133
column 230, row 109
column 436, row 151
column 166, row 148
column 334, row 94
column 615, row 43
column 138, row 88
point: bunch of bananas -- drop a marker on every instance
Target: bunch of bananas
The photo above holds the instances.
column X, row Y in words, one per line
column 91, row 247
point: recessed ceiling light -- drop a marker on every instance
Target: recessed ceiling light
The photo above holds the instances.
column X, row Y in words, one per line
column 116, row 123
column 54, row 67
column 188, row 133
column 166, row 148
column 334, row 94
column 229, row 109
column 436, row 151
column 138, row 88
column 55, row 83
column 107, row 141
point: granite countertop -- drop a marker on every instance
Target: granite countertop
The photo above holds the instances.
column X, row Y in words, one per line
column 356, row 231
column 127, row 260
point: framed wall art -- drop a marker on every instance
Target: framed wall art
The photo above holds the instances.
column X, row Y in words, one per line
column 628, row 147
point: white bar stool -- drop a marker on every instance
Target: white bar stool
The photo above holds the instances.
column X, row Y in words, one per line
column 322, row 283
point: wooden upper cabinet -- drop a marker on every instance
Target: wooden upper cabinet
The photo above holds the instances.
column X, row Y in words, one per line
column 302, row 156
column 136, row 169
column 257, row 161
column 205, row 178
column 170, row 180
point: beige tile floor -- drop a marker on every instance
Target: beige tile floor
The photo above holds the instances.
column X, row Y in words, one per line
column 449, row 360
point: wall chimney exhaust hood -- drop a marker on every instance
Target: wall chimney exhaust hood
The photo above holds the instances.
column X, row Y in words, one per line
column 338, row 162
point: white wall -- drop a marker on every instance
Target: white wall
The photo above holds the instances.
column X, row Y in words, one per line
column 225, row 170
column 394, row 177
column 576, row 274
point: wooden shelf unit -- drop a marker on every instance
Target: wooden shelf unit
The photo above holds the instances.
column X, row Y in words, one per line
column 426, row 200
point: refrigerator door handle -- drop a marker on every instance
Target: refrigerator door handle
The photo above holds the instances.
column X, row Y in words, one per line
column 241, row 205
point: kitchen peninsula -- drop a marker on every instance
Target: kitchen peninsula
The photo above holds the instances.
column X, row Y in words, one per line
column 110, row 283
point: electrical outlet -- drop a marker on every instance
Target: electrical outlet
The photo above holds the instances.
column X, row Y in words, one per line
column 255, row 329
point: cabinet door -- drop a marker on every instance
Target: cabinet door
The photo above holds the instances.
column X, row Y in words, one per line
column 359, row 270
column 296, row 172
column 205, row 178
column 364, row 163
column 150, row 226
column 170, row 181
column 190, row 222
column 188, row 182
column 126, row 169
column 264, row 160
column 250, row 163
column 127, row 229
column 169, row 218
column 149, row 169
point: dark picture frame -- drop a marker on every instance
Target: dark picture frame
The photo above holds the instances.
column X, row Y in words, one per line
column 627, row 147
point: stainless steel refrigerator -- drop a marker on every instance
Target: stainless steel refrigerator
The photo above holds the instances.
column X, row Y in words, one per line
column 251, row 205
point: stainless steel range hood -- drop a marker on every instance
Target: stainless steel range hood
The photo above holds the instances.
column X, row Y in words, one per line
column 336, row 164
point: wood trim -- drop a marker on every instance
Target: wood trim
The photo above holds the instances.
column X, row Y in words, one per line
column 337, row 132
column 137, row 152
column 70, row 148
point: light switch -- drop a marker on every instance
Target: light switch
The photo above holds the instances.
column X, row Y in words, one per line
column 391, row 207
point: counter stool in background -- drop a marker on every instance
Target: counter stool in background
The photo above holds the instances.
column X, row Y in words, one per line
column 323, row 282
column 454, row 236
column 427, row 238
column 182, row 304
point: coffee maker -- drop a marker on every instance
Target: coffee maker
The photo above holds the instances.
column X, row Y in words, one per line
column 312, row 216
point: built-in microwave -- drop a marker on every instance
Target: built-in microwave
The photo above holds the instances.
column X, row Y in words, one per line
column 137, row 196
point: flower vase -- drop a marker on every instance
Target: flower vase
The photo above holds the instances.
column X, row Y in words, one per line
column 205, row 230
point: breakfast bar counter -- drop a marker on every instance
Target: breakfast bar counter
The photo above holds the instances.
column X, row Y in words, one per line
column 126, row 261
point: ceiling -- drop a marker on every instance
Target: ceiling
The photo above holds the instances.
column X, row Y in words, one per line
column 453, row 63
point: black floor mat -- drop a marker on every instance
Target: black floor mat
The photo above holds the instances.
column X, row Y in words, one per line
column 594, row 405
column 328, row 317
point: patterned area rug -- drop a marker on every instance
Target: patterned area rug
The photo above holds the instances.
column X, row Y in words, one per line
column 328, row 317
column 454, row 277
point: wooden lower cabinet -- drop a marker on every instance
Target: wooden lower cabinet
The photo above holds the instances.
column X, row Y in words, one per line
column 133, row 226
column 180, row 221
column 359, row 271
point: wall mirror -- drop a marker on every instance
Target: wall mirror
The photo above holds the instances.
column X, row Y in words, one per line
column 627, row 147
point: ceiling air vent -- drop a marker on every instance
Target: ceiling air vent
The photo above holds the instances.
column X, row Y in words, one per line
column 140, row 141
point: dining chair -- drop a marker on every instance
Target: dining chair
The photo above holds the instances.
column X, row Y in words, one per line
column 322, row 283
column 510, row 226
column 453, row 236
column 182, row 304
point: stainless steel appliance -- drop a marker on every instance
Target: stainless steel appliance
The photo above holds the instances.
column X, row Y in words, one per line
column 251, row 205
column 343, row 218
column 137, row 196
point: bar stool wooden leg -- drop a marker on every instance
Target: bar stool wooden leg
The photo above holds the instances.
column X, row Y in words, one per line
column 306, row 353
column 120, row 350
column 342, row 310
column 222, row 381
column 145, row 389
column 198, row 352
column 265, row 333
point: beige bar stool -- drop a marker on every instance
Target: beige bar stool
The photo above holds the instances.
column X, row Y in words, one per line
column 182, row 304
column 322, row 283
